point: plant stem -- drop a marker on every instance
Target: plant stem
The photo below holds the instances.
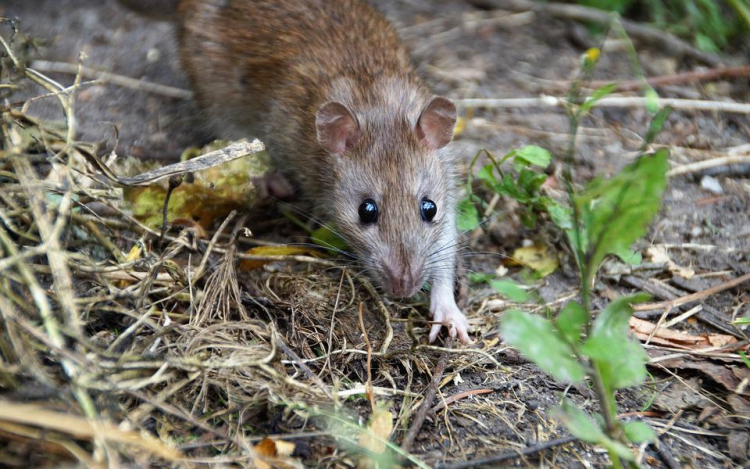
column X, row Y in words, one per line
column 603, row 395
column 616, row 464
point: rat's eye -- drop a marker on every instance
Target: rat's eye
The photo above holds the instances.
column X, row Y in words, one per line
column 428, row 209
column 368, row 212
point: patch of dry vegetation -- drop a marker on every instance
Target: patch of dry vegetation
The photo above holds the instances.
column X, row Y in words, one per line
column 121, row 343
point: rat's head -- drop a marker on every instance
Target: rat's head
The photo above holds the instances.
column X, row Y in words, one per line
column 393, row 190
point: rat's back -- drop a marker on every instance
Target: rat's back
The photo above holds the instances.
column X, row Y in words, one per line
column 245, row 57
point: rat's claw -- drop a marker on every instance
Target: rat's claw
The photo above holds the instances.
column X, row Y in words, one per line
column 434, row 331
column 445, row 311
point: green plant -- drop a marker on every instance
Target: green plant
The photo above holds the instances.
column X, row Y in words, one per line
column 604, row 218
column 710, row 24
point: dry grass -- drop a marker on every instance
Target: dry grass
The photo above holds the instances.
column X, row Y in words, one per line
column 124, row 346
column 119, row 347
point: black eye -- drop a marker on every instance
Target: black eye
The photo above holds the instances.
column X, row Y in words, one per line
column 428, row 209
column 368, row 212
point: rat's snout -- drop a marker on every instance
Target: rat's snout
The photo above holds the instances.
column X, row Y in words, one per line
column 402, row 278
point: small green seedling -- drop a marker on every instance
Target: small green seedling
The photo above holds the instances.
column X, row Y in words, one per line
column 603, row 218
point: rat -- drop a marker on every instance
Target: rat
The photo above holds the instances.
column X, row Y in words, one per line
column 329, row 87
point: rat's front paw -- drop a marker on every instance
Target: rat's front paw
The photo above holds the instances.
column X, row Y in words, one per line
column 448, row 314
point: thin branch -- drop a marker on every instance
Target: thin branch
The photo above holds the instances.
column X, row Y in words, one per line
column 429, row 397
column 107, row 77
column 695, row 296
column 509, row 455
column 611, row 101
column 712, row 163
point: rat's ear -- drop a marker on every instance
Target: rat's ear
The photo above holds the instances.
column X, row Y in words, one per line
column 338, row 130
column 435, row 124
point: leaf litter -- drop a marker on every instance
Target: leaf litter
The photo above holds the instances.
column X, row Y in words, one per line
column 196, row 359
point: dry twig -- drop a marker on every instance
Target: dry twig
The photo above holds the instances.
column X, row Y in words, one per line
column 429, row 397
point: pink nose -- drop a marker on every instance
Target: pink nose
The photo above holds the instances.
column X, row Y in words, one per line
column 401, row 281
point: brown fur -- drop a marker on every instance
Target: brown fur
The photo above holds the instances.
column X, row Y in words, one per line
column 264, row 68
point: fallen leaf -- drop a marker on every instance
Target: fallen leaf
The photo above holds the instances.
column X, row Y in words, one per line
column 134, row 253
column 275, row 453
column 328, row 238
column 267, row 448
column 659, row 255
column 461, row 121
column 274, row 448
column 643, row 330
column 375, row 436
column 207, row 195
column 728, row 376
column 274, row 251
column 538, row 258
column 460, row 126
column 680, row 395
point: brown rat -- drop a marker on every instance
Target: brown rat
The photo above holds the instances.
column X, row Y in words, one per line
column 329, row 87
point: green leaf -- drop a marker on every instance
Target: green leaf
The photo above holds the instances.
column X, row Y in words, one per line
column 582, row 426
column 329, row 239
column 487, row 176
column 639, row 432
column 578, row 422
column 657, row 123
column 478, row 277
column 614, row 318
column 561, row 215
column 746, row 360
column 608, row 5
column 705, row 43
column 530, row 181
column 652, row 100
column 510, row 290
column 467, row 218
column 741, row 321
column 528, row 218
column 531, row 155
column 598, row 94
column 617, row 211
column 629, row 256
column 570, row 321
column 509, row 187
column 620, row 360
column 536, row 339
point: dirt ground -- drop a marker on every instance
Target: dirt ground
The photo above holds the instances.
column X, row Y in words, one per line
column 699, row 406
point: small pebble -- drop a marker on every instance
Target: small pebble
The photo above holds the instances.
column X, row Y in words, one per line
column 153, row 55
column 711, row 184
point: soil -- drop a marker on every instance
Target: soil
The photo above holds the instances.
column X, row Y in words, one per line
column 460, row 58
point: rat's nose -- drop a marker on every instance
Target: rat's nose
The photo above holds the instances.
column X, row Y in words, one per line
column 401, row 280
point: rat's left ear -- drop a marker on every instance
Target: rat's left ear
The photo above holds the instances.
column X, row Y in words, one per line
column 435, row 124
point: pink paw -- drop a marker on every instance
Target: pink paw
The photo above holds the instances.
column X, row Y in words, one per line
column 448, row 314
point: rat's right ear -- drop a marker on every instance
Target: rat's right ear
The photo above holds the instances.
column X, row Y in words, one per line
column 435, row 125
column 337, row 128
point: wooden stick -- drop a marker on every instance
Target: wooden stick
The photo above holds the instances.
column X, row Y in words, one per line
column 509, row 455
column 429, row 397
column 451, row 399
column 695, row 296
column 611, row 101
column 107, row 77
column 693, row 76
column 712, row 163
